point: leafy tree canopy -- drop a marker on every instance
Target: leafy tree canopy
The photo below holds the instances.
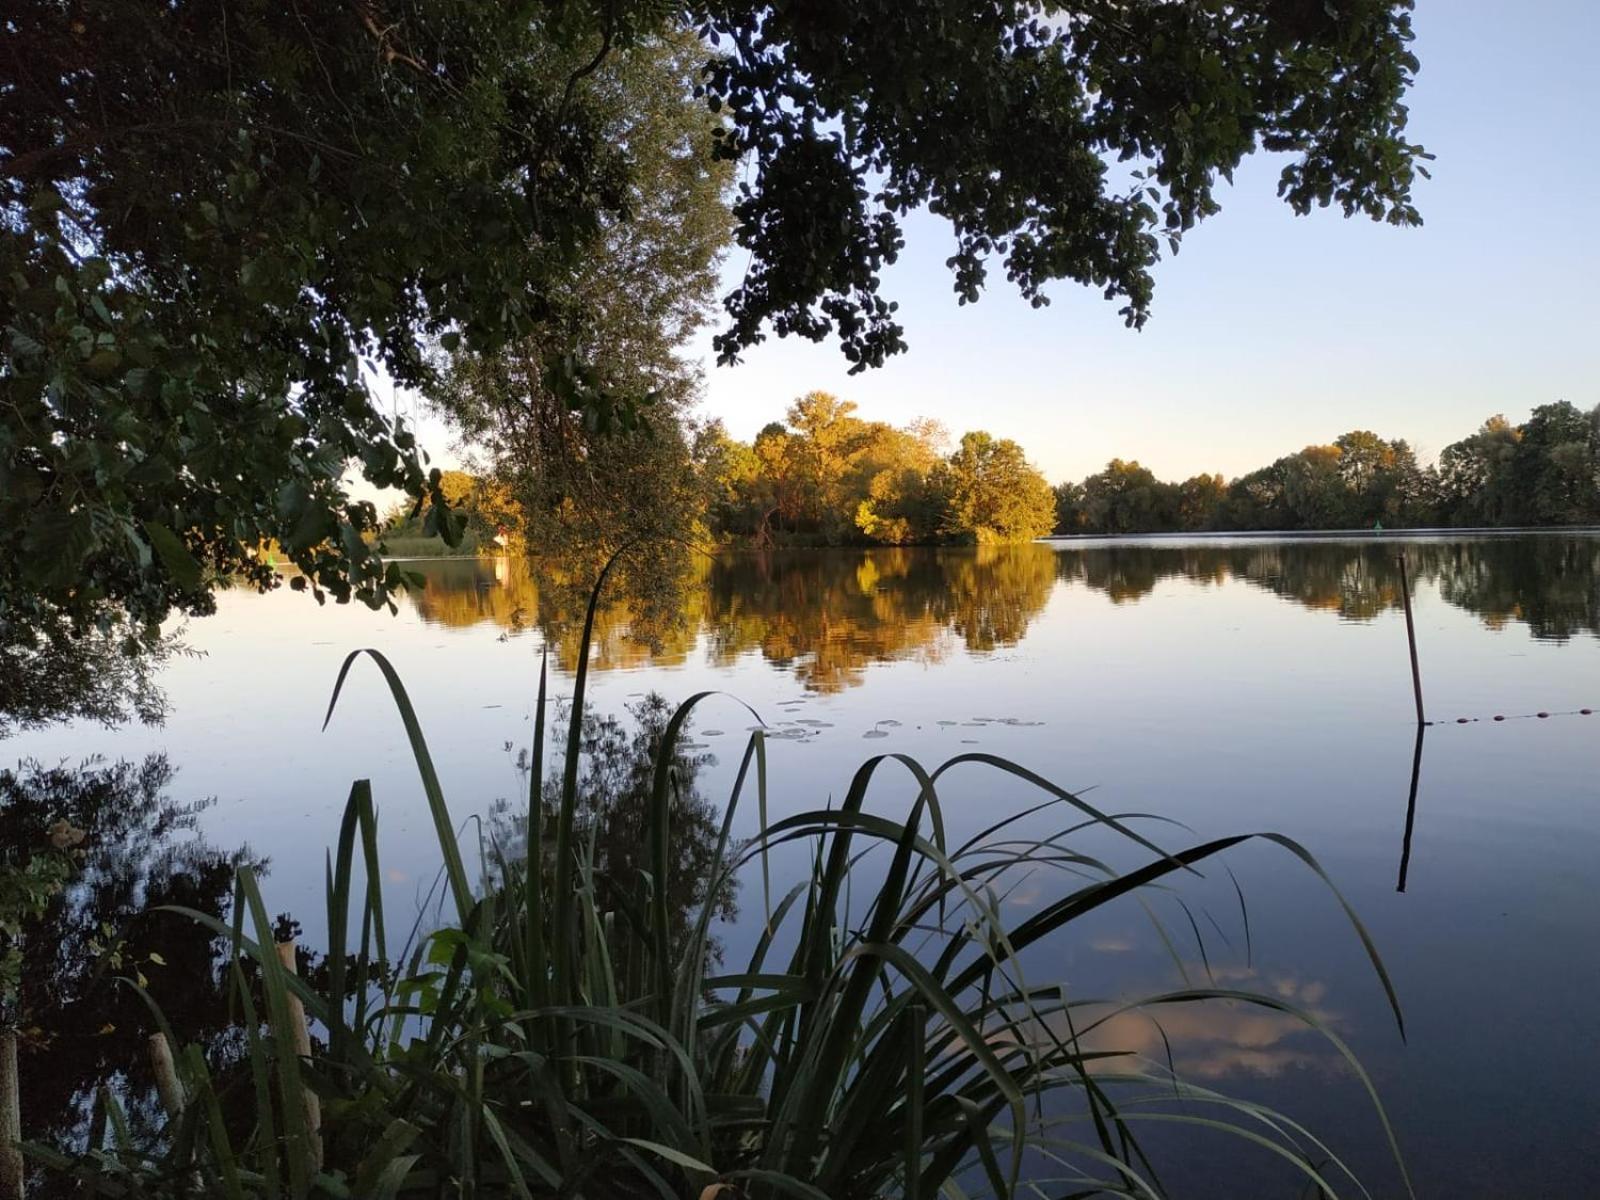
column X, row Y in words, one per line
column 1004, row 118
column 223, row 220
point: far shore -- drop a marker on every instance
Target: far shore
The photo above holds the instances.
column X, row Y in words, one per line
column 1219, row 535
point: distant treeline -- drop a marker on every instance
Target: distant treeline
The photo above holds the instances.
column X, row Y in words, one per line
column 1545, row 471
column 826, row 477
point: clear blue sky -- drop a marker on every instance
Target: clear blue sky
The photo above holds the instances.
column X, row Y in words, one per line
column 1270, row 331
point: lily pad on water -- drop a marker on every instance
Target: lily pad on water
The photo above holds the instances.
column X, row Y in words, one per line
column 875, row 733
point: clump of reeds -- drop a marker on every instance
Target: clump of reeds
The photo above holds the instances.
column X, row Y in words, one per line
column 541, row 1044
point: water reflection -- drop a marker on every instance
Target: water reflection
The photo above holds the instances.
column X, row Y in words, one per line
column 1549, row 584
column 825, row 615
column 617, row 762
column 81, row 1025
column 1216, row 1041
column 828, row 615
column 1411, row 810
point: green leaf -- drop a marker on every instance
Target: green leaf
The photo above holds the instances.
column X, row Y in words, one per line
column 175, row 556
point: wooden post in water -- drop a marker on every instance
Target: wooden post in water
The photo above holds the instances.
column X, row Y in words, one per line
column 11, row 1167
column 166, row 1072
column 300, row 1035
column 1411, row 638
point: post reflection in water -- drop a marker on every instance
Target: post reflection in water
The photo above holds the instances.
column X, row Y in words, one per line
column 1411, row 809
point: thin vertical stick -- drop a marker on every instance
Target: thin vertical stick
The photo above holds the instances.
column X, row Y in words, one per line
column 300, row 1034
column 11, row 1173
column 1411, row 637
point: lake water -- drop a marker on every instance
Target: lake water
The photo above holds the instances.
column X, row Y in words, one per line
column 1232, row 685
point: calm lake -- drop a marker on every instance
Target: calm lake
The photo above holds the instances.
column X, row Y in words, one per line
column 1232, row 685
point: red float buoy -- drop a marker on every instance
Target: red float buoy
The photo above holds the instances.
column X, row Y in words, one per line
column 1461, row 720
column 1498, row 717
column 1586, row 711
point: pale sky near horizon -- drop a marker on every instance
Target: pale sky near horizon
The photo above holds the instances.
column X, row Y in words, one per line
column 1270, row 331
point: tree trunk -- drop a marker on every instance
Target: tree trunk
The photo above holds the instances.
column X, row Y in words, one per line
column 11, row 1167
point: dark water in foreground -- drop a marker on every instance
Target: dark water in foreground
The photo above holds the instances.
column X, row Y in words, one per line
column 1231, row 686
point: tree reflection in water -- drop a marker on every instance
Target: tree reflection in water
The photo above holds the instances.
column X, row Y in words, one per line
column 1549, row 584
column 827, row 615
column 81, row 1026
column 617, row 762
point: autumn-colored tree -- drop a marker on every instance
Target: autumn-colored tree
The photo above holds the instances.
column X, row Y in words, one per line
column 897, row 505
column 828, row 440
column 729, row 476
column 993, row 494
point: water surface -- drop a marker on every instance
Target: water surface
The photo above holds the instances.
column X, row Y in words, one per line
column 1231, row 685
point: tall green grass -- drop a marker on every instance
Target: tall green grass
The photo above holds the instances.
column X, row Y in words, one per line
column 539, row 1044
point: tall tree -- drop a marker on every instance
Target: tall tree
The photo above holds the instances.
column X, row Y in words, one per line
column 642, row 289
column 220, row 222
column 1127, row 498
column 993, row 493
column 1072, row 515
column 1315, row 494
column 898, row 505
column 1552, row 468
column 1200, row 501
column 1476, row 475
column 584, row 490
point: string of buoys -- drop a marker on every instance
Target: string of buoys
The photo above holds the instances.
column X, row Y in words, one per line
column 1533, row 716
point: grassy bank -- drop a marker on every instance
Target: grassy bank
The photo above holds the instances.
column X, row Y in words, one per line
column 436, row 547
